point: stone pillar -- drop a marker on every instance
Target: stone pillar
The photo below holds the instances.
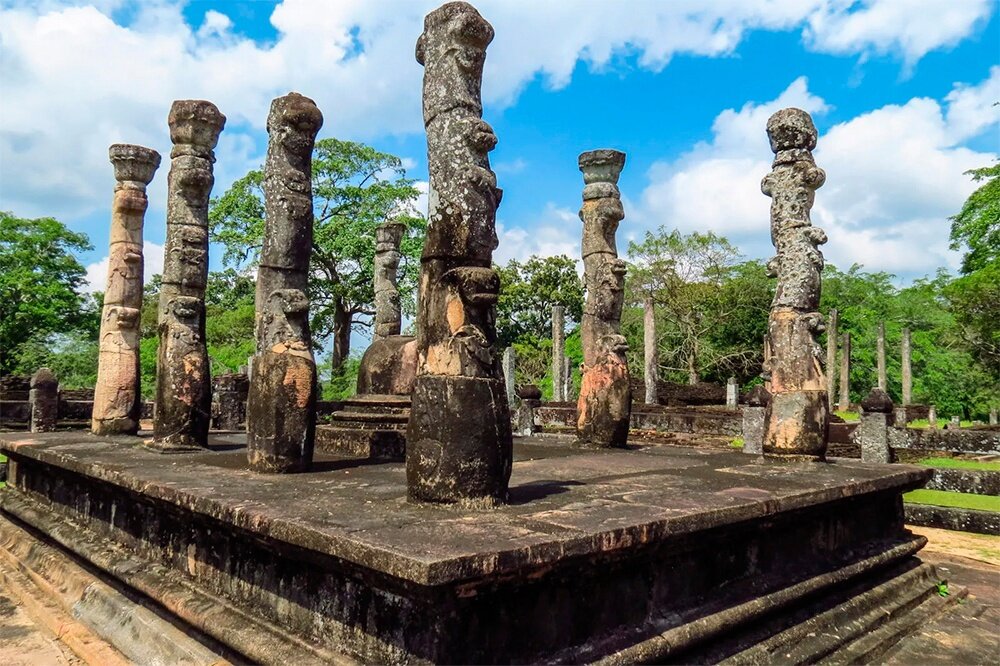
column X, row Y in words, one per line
column 509, row 375
column 567, row 379
column 388, row 314
column 831, row 354
column 932, row 416
column 183, row 389
column 754, row 420
column 281, row 408
column 798, row 417
column 605, row 404
column 880, row 357
column 845, row 374
column 993, row 416
column 117, row 400
column 530, row 400
column 558, row 353
column 649, row 349
column 230, row 392
column 953, row 424
column 906, row 369
column 43, row 398
column 732, row 393
column 458, row 442
column 873, row 431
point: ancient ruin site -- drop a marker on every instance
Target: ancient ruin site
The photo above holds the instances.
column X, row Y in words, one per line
column 557, row 333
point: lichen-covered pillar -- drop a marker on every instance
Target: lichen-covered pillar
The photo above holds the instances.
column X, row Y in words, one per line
column 932, row 416
column 755, row 419
column 831, row 353
column 229, row 393
column 43, row 398
column 509, row 369
column 117, row 401
column 844, row 403
column 880, row 356
column 458, row 442
column 993, row 416
column 732, row 393
column 281, row 406
column 567, row 379
column 388, row 314
column 906, row 369
column 183, row 388
column 558, row 352
column 873, row 431
column 605, row 403
column 798, row 416
column 650, row 365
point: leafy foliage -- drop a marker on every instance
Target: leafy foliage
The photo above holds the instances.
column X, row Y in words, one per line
column 529, row 290
column 977, row 225
column 355, row 188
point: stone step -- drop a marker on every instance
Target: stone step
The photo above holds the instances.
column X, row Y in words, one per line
column 379, row 444
column 368, row 420
column 381, row 403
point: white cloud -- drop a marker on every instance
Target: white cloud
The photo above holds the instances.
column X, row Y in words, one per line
column 556, row 231
column 97, row 272
column 81, row 81
column 894, row 176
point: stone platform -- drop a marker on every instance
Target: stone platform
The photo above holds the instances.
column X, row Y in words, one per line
column 369, row 426
column 650, row 554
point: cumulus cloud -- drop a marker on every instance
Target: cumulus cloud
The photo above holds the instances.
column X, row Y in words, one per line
column 82, row 79
column 97, row 272
column 556, row 230
column 894, row 176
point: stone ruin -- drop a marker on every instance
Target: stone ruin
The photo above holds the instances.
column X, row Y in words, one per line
column 117, row 399
column 798, row 413
column 459, row 440
column 183, row 389
column 605, row 403
column 281, row 408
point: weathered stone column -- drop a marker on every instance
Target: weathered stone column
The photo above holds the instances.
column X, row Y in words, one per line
column 844, row 403
column 932, row 416
column 755, row 420
column 183, row 388
column 649, row 349
column 906, row 370
column 993, row 416
column 732, row 393
column 458, row 442
column 567, row 380
column 798, row 417
column 117, row 400
column 508, row 375
column 873, row 431
column 43, row 398
column 558, row 353
column 953, row 424
column 530, row 400
column 880, row 357
column 281, row 408
column 605, row 403
column 388, row 314
column 831, row 354
column 230, row 392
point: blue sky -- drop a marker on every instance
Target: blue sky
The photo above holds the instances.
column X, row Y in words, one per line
column 901, row 91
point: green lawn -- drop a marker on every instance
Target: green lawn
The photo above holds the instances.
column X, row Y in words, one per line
column 849, row 416
column 957, row 500
column 924, row 423
column 958, row 463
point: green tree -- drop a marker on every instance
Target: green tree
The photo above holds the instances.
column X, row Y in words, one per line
column 977, row 225
column 529, row 290
column 355, row 188
column 40, row 281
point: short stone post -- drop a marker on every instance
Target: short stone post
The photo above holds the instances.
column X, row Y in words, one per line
column 530, row 399
column 388, row 313
column 993, row 416
column 508, row 375
column 880, row 357
column 732, row 393
column 183, row 390
column 844, row 403
column 906, row 369
column 754, row 419
column 459, row 445
column 230, row 391
column 932, row 416
column 831, row 354
column 281, row 407
column 650, row 366
column 43, row 398
column 605, row 405
column 954, row 424
column 873, row 431
column 558, row 353
column 798, row 417
column 117, row 401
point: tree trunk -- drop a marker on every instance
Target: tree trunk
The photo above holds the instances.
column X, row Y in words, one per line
column 341, row 336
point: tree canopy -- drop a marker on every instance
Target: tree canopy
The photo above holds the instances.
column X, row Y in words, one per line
column 977, row 226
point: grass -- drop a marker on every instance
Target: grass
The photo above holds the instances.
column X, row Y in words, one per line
column 959, row 463
column 924, row 423
column 956, row 500
column 737, row 443
column 849, row 416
